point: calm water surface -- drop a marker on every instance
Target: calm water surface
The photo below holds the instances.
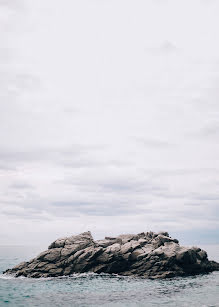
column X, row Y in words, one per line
column 104, row 290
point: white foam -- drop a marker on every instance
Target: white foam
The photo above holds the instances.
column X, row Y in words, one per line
column 5, row 276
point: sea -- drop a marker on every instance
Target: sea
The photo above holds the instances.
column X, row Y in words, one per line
column 103, row 289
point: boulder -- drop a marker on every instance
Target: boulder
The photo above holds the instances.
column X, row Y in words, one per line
column 147, row 254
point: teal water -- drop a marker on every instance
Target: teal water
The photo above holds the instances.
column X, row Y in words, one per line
column 104, row 290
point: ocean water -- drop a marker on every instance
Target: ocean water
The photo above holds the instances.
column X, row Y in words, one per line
column 104, row 290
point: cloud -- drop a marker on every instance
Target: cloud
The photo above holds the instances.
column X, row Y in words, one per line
column 76, row 156
column 164, row 48
column 210, row 131
column 111, row 128
column 12, row 5
column 154, row 143
column 95, row 209
column 24, row 214
column 168, row 47
column 21, row 186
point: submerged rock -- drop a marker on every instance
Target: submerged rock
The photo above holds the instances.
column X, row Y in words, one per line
column 147, row 254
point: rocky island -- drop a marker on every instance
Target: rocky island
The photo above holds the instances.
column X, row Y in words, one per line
column 147, row 254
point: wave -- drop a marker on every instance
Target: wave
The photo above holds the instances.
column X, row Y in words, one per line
column 72, row 276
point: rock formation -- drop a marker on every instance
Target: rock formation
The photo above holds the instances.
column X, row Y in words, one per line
column 147, row 254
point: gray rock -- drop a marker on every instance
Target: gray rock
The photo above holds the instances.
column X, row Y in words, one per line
column 54, row 255
column 112, row 249
column 147, row 254
column 58, row 243
column 127, row 238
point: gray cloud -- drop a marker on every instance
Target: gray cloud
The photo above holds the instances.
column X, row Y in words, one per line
column 21, row 186
column 71, row 156
column 98, row 209
column 154, row 143
column 210, row 131
column 168, row 47
column 12, row 5
column 28, row 214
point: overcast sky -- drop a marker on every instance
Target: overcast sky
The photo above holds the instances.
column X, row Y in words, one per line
column 109, row 118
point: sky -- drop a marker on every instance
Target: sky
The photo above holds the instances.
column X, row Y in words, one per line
column 109, row 119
